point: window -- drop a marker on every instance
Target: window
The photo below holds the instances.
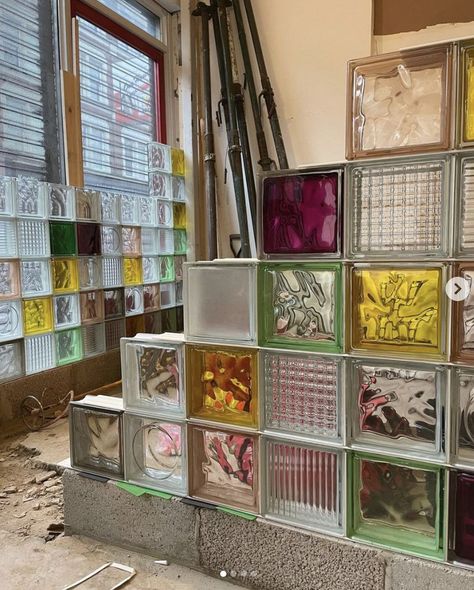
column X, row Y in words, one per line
column 136, row 14
column 96, row 142
column 94, row 79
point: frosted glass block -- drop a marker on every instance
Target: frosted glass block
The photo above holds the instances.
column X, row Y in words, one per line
column 11, row 361
column 11, row 324
column 150, row 245
column 180, row 241
column 166, row 241
column 114, row 303
column 131, row 241
column 65, row 275
column 92, row 307
column 178, row 188
column 178, row 267
column 93, row 339
column 8, row 243
column 151, row 269
column 7, row 196
column 400, row 102
column 167, row 273
column 110, row 207
column 96, row 438
column 134, row 324
column 130, row 210
column 398, row 208
column 155, row 455
column 35, row 277
column 147, row 210
column 39, row 353
column 300, row 306
column 179, row 293
column 60, row 200
column 66, row 311
column 31, row 200
column 463, row 417
column 179, row 215
column 153, row 323
column 164, row 213
column 167, row 295
column 220, row 299
column 178, row 165
column 132, row 271
column 303, row 485
column 302, row 393
column 33, row 238
column 68, row 346
column 133, row 300
column 224, row 467
column 159, row 184
column 111, row 240
column 398, row 504
column 37, row 315
column 63, row 238
column 398, row 309
column 398, row 406
column 151, row 297
column 222, row 384
column 90, row 272
column 87, row 205
column 159, row 156
column 88, row 239
column 114, row 332
column 112, row 275
column 9, row 279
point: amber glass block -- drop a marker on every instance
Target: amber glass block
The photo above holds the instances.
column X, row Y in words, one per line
column 222, row 384
column 463, row 318
column 132, row 271
column 65, row 275
column 179, row 215
column 134, row 325
column 177, row 162
column 398, row 309
column 37, row 315
column 92, row 307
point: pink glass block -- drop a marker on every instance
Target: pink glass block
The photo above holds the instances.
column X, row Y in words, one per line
column 9, row 279
column 151, row 296
column 113, row 303
column 92, row 307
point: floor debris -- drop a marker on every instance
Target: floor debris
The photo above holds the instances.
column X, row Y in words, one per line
column 125, row 568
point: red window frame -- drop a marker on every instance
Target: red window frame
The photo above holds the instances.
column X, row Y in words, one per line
column 79, row 8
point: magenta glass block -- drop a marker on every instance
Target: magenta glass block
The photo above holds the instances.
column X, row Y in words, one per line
column 300, row 214
column 88, row 239
column 464, row 543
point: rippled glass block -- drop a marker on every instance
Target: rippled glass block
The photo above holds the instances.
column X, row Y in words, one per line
column 222, row 384
column 95, row 427
column 164, row 214
column 88, row 239
column 11, row 360
column 463, row 517
column 111, row 240
column 9, row 279
column 35, row 277
column 167, row 273
column 179, row 215
column 398, row 309
column 92, row 307
column 7, row 196
column 68, row 346
column 159, row 184
column 112, row 271
column 30, row 199
column 133, row 300
column 134, row 324
column 11, row 323
column 93, row 339
column 8, row 243
column 60, row 200
column 132, row 271
column 398, row 504
column 114, row 331
column 178, row 188
column 466, row 94
column 300, row 214
column 63, row 238
column 180, row 241
column 151, row 269
column 131, row 241
column 224, row 467
column 151, row 297
column 39, row 353
column 66, row 311
column 463, row 417
column 302, row 393
column 147, row 209
column 178, row 165
column 153, row 323
column 159, row 156
column 167, row 295
column 150, row 244
column 178, row 267
column 398, row 208
column 114, row 305
column 87, row 205
column 37, row 315
column 110, row 207
column 130, row 210
column 65, row 275
column 33, row 238
column 90, row 272
column 401, row 102
column 398, row 406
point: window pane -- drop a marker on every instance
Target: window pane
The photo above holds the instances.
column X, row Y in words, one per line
column 117, row 102
column 136, row 14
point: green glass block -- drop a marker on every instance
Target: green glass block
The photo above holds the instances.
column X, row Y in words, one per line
column 300, row 306
column 68, row 346
column 397, row 504
column 167, row 273
column 63, row 238
column 180, row 241
column 169, row 320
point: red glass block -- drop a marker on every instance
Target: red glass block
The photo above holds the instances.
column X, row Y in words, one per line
column 88, row 239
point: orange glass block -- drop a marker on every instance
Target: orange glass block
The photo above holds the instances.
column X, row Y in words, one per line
column 38, row 315
column 9, row 279
column 177, row 162
column 65, row 275
column 179, row 215
column 222, row 384
column 92, row 307
column 132, row 271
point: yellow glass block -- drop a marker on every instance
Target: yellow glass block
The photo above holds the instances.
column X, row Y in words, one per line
column 38, row 315
column 132, row 271
column 65, row 275
column 222, row 384
column 179, row 215
column 397, row 309
column 177, row 162
column 469, row 95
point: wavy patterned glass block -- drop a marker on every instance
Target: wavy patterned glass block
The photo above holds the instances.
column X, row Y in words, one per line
column 7, row 196
column 11, row 360
column 463, row 517
column 93, row 339
column 131, row 241
column 111, row 240
column 8, row 238
column 66, row 311
column 302, row 393
column 179, row 215
column 398, row 504
column 133, row 300
column 463, row 418
column 60, row 200
column 92, row 307
column 114, row 304
column 153, row 323
column 130, row 210
column 167, row 295
column 159, row 185
column 178, row 164
column 151, row 297
column 132, row 271
column 33, row 238
column 68, row 346
column 35, row 277
column 178, row 188
column 11, row 320
column 180, row 241
column 87, row 205
column 164, row 213
column 90, row 272
column 37, row 315
column 167, row 272
column 110, row 207
column 9, row 279
column 39, row 353
column 114, row 331
column 303, row 485
column 88, row 239
column 30, row 199
column 151, row 269
column 159, row 156
column 112, row 271
column 147, row 211
column 65, row 275
column 63, row 238
column 150, row 244
column 398, row 208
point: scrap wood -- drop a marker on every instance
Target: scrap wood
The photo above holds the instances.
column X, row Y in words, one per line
column 125, row 568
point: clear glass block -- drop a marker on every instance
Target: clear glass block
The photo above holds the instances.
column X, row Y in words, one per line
column 114, row 332
column 110, row 207
column 179, row 293
column 159, row 156
column 398, row 504
column 131, row 241
column 134, row 324
column 178, row 267
column 9, row 279
column 167, row 295
column 400, row 102
column 68, row 346
column 159, row 184
column 151, row 297
column 63, row 238
column 8, row 240
column 180, row 241
column 166, row 241
column 96, row 439
column 11, row 360
column 150, row 244
column 464, row 214
column 33, row 238
column 179, row 215
column 112, row 271
column 301, row 305
column 65, row 275
column 61, row 201
column 133, row 300
column 93, row 339
column 7, row 196
column 38, row 315
column 90, row 272
column 178, row 188
column 167, row 273
column 92, row 307
column 398, row 407
column 87, row 205
column 224, row 467
column 88, row 239
column 147, row 207
column 462, row 404
column 66, row 311
column 178, row 164
column 132, row 271
column 462, row 515
column 155, row 453
column 153, row 323
column 220, row 300
column 398, row 208
column 39, row 353
column 11, row 321
column 30, row 199
column 130, row 210
column 111, row 240
column 35, row 277
column 304, row 485
column 164, row 213
column 302, row 393
column 151, row 269
column 114, row 305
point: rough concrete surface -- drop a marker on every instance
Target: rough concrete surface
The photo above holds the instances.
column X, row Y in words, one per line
column 404, row 573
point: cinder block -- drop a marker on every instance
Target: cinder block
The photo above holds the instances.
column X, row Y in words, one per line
column 404, row 573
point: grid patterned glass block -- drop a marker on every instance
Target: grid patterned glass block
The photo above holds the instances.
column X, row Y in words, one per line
column 93, row 339
column 11, row 323
column 133, row 300
column 178, row 165
column 114, row 306
column 87, row 205
column 7, row 196
column 131, row 241
column 178, row 188
column 222, row 384
column 35, row 277
column 134, row 324
column 398, row 309
column 401, row 102
column 39, row 353
column 114, row 331
column 30, row 199
column 301, row 306
column 302, row 393
column 11, row 360
column 303, row 485
column 398, row 406
column 92, row 307
column 179, row 215
column 132, row 271
column 88, row 239
column 159, row 157
column 224, row 467
column 37, row 315
column 110, row 207
column 129, row 210
column 66, row 311
column 60, row 200
column 65, row 275
column 164, row 213
column 220, row 302
column 463, row 517
column 9, row 279
column 8, row 243
column 300, row 214
column 180, row 241
column 166, row 241
column 111, row 240
column 90, row 272
column 465, row 204
column 153, row 323
column 159, row 184
column 463, row 417
column 68, row 346
column 147, row 208
column 398, row 504
column 398, row 208
column 167, row 295
column 179, row 293
column 151, row 297
column 178, row 267
column 112, row 271
column 63, row 238
column 150, row 245
column 155, row 454
column 167, row 272
column 33, row 238
column 151, row 269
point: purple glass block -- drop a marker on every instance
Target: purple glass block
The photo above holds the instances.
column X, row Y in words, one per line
column 88, row 239
column 464, row 547
column 300, row 214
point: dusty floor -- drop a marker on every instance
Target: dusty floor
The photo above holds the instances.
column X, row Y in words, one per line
column 32, row 556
